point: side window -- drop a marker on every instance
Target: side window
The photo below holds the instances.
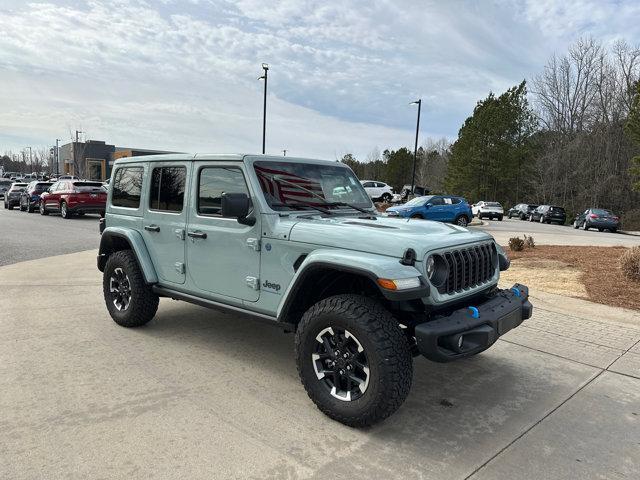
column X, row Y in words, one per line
column 456, row 201
column 167, row 189
column 436, row 201
column 213, row 182
column 381, row 185
column 368, row 184
column 127, row 185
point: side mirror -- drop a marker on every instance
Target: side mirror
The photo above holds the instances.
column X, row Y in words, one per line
column 427, row 205
column 237, row 205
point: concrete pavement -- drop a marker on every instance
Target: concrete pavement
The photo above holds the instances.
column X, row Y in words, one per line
column 199, row 394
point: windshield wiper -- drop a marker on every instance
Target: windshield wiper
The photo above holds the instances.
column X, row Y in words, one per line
column 303, row 205
column 278, row 178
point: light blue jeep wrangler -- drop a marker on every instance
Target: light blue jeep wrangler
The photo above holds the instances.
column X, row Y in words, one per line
column 298, row 243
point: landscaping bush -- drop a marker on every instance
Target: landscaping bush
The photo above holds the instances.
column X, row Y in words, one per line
column 516, row 244
column 528, row 242
column 631, row 220
column 630, row 263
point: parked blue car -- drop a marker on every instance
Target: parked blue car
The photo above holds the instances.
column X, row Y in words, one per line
column 441, row 208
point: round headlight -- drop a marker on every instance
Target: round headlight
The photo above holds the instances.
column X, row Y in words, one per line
column 431, row 267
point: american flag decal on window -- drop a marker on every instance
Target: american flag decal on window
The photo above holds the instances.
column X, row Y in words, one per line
column 285, row 193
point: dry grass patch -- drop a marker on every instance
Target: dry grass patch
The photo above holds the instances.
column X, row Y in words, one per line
column 591, row 273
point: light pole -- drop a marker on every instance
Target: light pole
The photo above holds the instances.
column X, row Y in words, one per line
column 57, row 158
column 415, row 148
column 264, row 77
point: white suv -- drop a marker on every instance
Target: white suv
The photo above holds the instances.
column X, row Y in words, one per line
column 488, row 209
column 378, row 190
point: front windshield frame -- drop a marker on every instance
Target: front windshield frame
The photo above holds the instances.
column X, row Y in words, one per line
column 352, row 191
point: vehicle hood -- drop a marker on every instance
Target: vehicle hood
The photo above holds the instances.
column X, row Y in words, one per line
column 385, row 236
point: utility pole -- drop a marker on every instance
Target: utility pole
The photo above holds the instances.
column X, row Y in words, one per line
column 57, row 158
column 264, row 77
column 30, row 160
column 415, row 148
column 75, row 145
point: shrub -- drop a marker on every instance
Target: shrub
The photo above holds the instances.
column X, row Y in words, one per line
column 528, row 242
column 631, row 220
column 516, row 244
column 630, row 263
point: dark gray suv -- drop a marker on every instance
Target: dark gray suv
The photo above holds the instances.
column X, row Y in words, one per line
column 12, row 196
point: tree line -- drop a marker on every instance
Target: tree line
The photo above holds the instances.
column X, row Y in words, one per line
column 571, row 139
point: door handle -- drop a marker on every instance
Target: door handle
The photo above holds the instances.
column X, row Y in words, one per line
column 197, row 234
column 152, row 228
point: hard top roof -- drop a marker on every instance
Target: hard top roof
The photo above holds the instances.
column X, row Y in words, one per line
column 221, row 157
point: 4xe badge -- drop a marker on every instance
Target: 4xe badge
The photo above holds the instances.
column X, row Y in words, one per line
column 274, row 287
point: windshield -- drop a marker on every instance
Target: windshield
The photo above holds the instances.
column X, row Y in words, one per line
column 418, row 201
column 333, row 183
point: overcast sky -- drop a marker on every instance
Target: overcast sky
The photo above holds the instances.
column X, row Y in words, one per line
column 182, row 74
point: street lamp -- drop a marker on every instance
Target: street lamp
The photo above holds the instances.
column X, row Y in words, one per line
column 415, row 148
column 57, row 158
column 265, row 67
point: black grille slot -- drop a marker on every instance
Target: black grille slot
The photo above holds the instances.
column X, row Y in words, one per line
column 468, row 267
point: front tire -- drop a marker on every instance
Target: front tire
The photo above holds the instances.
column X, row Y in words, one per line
column 461, row 221
column 130, row 301
column 43, row 210
column 354, row 335
column 386, row 198
column 64, row 211
column 585, row 227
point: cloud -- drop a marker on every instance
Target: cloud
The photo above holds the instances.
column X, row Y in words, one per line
column 182, row 75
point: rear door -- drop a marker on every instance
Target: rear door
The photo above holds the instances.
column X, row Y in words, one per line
column 165, row 218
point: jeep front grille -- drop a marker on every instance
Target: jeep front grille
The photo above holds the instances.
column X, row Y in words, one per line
column 468, row 267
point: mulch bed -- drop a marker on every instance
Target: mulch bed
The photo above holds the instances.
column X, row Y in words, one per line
column 601, row 274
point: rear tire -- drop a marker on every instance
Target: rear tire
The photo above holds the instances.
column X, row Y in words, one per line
column 29, row 208
column 601, row 229
column 575, row 224
column 500, row 218
column 585, row 227
column 364, row 334
column 130, row 301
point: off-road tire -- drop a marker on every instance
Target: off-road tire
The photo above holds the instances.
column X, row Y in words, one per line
column 43, row 209
column 143, row 304
column 386, row 348
column 64, row 211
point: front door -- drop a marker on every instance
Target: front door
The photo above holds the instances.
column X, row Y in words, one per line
column 437, row 211
column 223, row 255
column 165, row 218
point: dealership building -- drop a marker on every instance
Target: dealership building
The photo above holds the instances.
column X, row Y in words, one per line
column 94, row 159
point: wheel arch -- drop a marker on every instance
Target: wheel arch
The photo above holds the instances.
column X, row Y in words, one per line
column 115, row 239
column 328, row 275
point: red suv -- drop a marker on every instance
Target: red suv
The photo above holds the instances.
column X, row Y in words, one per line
column 70, row 197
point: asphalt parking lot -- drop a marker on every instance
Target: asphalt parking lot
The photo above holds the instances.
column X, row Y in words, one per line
column 553, row 234
column 26, row 236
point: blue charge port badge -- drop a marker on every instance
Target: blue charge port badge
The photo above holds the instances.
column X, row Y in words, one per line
column 473, row 311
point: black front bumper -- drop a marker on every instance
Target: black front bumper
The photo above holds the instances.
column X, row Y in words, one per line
column 470, row 330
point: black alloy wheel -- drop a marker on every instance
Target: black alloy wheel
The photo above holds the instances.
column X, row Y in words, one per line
column 341, row 364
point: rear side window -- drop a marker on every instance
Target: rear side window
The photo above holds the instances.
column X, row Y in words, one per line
column 213, row 183
column 167, row 189
column 127, row 185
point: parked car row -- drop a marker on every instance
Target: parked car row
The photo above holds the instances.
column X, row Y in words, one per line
column 67, row 197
